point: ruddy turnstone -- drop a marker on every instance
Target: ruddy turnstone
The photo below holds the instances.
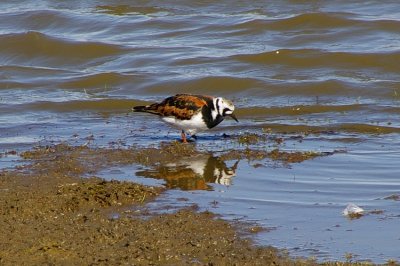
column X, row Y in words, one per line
column 191, row 113
column 195, row 172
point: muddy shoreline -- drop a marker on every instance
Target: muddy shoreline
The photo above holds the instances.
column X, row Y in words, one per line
column 55, row 211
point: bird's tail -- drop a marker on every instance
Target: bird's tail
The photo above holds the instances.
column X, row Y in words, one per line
column 152, row 109
column 142, row 108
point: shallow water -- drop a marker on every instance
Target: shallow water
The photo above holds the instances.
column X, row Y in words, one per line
column 71, row 72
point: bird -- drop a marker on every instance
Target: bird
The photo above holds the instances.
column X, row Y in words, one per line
column 191, row 113
column 193, row 173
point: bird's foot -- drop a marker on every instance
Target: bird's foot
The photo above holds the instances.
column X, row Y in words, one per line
column 183, row 136
column 226, row 136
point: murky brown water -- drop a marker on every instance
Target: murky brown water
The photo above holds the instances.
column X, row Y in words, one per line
column 71, row 72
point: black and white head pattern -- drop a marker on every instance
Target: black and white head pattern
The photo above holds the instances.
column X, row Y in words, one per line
column 222, row 108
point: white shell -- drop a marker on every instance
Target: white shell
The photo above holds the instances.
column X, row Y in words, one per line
column 352, row 209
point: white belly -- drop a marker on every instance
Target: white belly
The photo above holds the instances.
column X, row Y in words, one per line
column 192, row 126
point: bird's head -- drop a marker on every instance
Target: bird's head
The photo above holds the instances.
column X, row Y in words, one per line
column 224, row 107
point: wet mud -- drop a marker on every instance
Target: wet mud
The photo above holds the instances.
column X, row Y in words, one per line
column 55, row 211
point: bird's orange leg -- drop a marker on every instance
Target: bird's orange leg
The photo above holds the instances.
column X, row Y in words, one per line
column 183, row 136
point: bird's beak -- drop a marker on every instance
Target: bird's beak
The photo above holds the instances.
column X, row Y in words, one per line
column 234, row 117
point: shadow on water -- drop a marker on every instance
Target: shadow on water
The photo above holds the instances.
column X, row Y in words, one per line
column 195, row 173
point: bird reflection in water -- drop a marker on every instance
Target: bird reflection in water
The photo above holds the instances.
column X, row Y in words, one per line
column 196, row 173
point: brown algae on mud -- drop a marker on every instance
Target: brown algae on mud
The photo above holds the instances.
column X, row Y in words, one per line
column 51, row 215
column 274, row 152
column 82, row 159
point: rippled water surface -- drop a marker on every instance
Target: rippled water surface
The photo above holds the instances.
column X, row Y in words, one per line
column 72, row 70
